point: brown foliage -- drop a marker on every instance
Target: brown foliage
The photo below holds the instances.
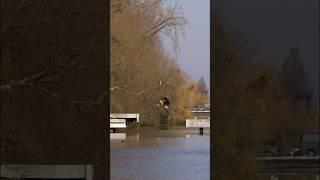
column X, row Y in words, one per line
column 251, row 105
column 141, row 70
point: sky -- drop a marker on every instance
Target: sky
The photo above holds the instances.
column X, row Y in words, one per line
column 277, row 25
column 274, row 26
column 194, row 54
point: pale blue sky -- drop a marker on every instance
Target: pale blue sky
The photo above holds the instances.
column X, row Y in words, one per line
column 194, row 54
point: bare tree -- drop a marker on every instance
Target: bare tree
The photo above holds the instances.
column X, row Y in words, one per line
column 53, row 82
column 138, row 60
column 203, row 86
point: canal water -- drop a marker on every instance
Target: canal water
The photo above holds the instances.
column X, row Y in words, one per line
column 152, row 154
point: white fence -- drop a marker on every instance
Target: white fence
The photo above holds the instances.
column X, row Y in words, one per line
column 47, row 171
column 127, row 116
column 197, row 123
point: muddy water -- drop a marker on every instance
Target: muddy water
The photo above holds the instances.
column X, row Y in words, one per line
column 151, row 154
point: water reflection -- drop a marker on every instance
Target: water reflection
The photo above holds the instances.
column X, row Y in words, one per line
column 148, row 153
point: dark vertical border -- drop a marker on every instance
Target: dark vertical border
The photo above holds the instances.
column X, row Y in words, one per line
column 0, row 83
column 212, row 72
column 108, row 86
column 103, row 153
column 213, row 85
column 318, row 67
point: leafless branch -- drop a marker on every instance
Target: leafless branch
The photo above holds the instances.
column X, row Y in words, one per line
column 20, row 5
column 32, row 81
column 118, row 87
column 78, row 104
column 132, row 93
column 41, row 21
column 12, row 84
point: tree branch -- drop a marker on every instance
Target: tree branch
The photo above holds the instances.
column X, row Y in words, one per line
column 80, row 105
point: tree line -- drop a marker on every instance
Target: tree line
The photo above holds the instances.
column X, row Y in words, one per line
column 141, row 69
column 254, row 101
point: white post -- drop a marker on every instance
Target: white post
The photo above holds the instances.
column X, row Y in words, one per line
column 89, row 172
column 273, row 177
column 318, row 177
column 138, row 118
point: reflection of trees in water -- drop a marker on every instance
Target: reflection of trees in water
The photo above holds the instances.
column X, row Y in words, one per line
column 163, row 115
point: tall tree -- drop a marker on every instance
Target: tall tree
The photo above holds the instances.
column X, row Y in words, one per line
column 203, row 86
column 294, row 77
column 139, row 62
